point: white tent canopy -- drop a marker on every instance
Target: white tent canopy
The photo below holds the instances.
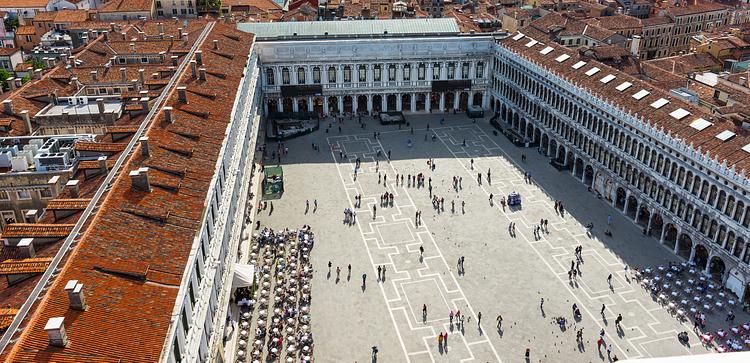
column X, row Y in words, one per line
column 243, row 275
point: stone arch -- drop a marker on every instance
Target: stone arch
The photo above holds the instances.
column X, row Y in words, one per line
column 717, row 268
column 391, row 101
column 588, row 176
column 450, row 100
column 361, row 103
column 644, row 215
column 701, row 256
column 632, row 207
column 273, row 105
column 463, row 101
column 670, row 235
column 287, row 104
column 318, row 105
column 477, row 99
column 406, row 101
column 421, row 102
column 620, row 198
column 684, row 245
column 578, row 167
column 302, row 104
column 333, row 105
column 657, row 223
column 348, row 104
column 377, row 103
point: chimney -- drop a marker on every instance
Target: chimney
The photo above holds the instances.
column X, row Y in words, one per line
column 75, row 295
column 144, row 103
column 27, row 121
column 112, row 27
column 202, row 73
column 65, row 58
column 19, row 82
column 106, row 35
column 38, row 73
column 132, row 47
column 93, row 76
column 160, row 28
column 199, row 57
column 74, row 80
column 216, row 44
column 31, row 216
column 140, row 180
column 102, row 164
column 194, row 68
column 124, row 36
column 26, row 248
column 72, row 61
column 174, row 60
column 179, row 32
column 55, row 329
column 85, row 39
column 100, row 107
column 73, row 186
column 182, row 94
column 54, row 185
column 30, row 71
column 123, row 75
column 136, row 85
column 11, row 82
column 185, row 37
column 145, row 151
column 142, row 76
column 169, row 114
column 8, row 107
column 110, row 116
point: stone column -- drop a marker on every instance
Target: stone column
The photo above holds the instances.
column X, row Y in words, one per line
column 708, row 263
column 442, row 101
column 485, row 100
column 310, row 104
column 677, row 242
column 340, row 74
column 648, row 226
column 398, row 102
column 324, row 74
column 341, row 104
column 280, row 105
column 427, row 102
column 413, row 100
column 455, row 100
column 692, row 252
column 369, row 104
column 583, row 176
column 663, row 231
column 384, row 102
column 325, row 105
column 627, row 201
column 744, row 249
column 355, row 103
column 295, row 106
column 265, row 106
column 637, row 211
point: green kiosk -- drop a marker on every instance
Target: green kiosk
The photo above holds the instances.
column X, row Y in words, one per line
column 273, row 182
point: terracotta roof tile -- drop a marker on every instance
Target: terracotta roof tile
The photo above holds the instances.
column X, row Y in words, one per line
column 68, row 204
column 125, row 317
column 24, row 266
column 99, row 146
column 36, row 230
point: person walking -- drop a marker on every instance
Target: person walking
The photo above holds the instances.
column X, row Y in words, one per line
column 618, row 321
column 479, row 318
column 424, row 311
column 609, row 279
column 499, row 320
column 603, row 308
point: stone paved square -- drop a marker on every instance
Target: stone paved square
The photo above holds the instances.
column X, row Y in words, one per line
column 503, row 274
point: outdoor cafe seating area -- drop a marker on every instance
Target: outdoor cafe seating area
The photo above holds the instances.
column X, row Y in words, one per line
column 275, row 320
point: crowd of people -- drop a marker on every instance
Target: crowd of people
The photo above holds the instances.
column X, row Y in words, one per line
column 688, row 294
column 275, row 311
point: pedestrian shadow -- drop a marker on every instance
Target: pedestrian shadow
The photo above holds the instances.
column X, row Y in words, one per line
column 348, row 277
column 328, row 275
column 544, row 315
column 364, row 287
column 440, row 348
column 620, row 331
column 480, row 331
column 604, row 320
column 500, row 332
column 337, row 279
column 421, row 259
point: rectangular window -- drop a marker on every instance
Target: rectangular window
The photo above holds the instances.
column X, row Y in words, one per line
column 4, row 195
column 407, row 72
column 23, row 194
column 347, row 74
column 451, row 70
column 316, row 75
column 436, row 71
column 331, row 75
column 391, row 73
column 376, row 72
column 362, row 74
column 285, row 75
column 465, row 71
column 144, row 60
column 45, row 193
column 421, row 72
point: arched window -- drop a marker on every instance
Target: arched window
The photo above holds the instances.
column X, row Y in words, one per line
column 392, row 72
column 480, row 70
column 407, row 72
column 451, row 70
column 362, row 73
column 331, row 74
column 285, row 75
column 421, row 72
column 316, row 75
column 377, row 73
column 270, row 78
column 347, row 74
column 300, row 75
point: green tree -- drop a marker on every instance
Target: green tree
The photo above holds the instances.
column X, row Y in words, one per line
column 11, row 24
column 208, row 5
column 25, row 79
column 4, row 75
column 37, row 63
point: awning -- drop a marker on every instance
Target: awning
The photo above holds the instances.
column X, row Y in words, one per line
column 243, row 275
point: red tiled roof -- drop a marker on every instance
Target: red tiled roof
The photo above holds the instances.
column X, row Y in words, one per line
column 126, row 317
column 99, row 146
column 116, row 6
column 17, row 4
column 24, row 266
column 68, row 204
column 706, row 140
column 26, row 30
column 32, row 230
column 6, row 317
